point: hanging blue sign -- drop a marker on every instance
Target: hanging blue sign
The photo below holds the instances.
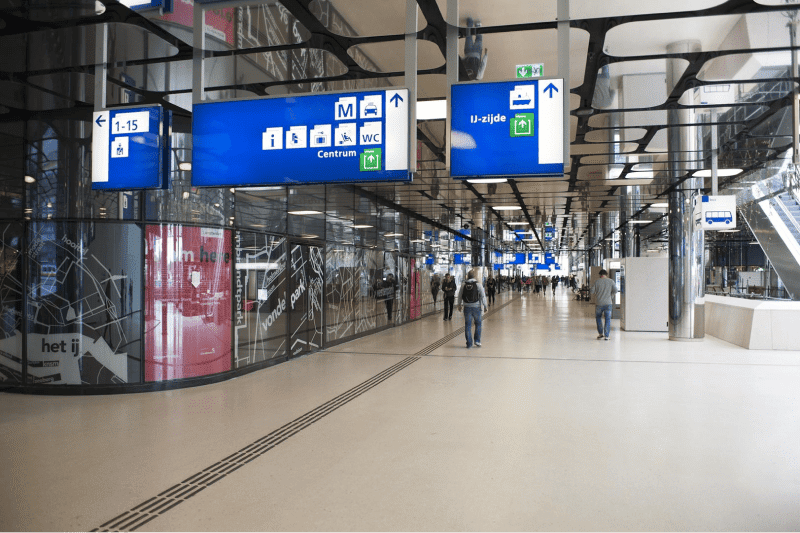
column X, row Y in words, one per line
column 512, row 128
column 130, row 148
column 325, row 138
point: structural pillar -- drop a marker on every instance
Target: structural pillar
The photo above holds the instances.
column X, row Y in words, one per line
column 686, row 288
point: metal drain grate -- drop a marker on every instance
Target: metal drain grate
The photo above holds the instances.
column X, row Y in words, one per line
column 158, row 505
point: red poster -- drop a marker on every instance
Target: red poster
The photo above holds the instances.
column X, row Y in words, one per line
column 219, row 22
column 188, row 302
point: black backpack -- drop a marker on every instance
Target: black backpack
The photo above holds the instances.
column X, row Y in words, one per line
column 471, row 294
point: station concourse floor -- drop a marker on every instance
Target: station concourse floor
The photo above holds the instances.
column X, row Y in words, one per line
column 542, row 428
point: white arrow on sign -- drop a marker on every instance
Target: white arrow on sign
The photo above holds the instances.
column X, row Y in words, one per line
column 100, row 147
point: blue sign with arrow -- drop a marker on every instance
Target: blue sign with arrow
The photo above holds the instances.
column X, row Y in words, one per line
column 130, row 148
column 321, row 138
column 511, row 128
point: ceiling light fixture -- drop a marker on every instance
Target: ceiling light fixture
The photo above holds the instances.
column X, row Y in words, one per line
column 488, row 180
column 306, row 212
column 662, row 204
column 639, row 221
column 518, row 223
column 722, row 172
column 30, row 179
column 361, row 226
column 185, row 166
column 393, row 235
column 506, row 207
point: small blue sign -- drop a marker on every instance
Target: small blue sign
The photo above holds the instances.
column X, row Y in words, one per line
column 324, row 138
column 512, row 128
column 130, row 148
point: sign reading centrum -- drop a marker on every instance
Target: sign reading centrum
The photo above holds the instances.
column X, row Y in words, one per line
column 337, row 137
column 512, row 128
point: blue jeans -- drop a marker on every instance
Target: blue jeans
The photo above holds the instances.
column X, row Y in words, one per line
column 603, row 311
column 472, row 314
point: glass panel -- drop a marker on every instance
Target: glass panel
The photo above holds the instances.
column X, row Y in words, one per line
column 265, row 67
column 75, row 47
column 732, row 93
column 84, row 303
column 351, row 19
column 261, row 208
column 391, row 56
column 306, row 275
column 12, row 169
column 503, row 12
column 306, row 210
column 350, row 303
column 188, row 302
column 747, row 67
column 261, row 298
column 724, row 32
column 53, row 10
column 11, row 294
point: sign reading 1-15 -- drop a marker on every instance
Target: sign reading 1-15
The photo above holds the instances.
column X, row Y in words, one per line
column 130, row 148
column 136, row 122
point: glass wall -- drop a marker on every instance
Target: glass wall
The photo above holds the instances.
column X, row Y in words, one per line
column 187, row 301
column 84, row 303
column 261, row 294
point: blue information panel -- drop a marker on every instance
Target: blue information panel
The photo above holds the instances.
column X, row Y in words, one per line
column 129, row 148
column 339, row 137
column 512, row 128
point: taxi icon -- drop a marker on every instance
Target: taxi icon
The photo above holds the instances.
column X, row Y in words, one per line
column 371, row 109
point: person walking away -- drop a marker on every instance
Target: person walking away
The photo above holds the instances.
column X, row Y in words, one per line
column 390, row 284
column 471, row 298
column 491, row 287
column 554, row 283
column 435, row 288
column 603, row 291
column 449, row 290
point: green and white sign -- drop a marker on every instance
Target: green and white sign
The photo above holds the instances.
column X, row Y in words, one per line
column 531, row 70
column 522, row 125
column 370, row 160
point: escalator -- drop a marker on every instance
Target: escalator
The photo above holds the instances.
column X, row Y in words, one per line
column 772, row 212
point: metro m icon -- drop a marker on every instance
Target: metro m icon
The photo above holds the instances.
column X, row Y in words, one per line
column 346, row 108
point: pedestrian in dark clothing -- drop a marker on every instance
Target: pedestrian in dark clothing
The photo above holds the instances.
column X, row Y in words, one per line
column 554, row 283
column 470, row 299
column 435, row 288
column 449, row 289
column 391, row 284
column 491, row 287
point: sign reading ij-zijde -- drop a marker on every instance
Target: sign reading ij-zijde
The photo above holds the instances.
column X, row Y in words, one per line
column 339, row 137
column 512, row 128
column 128, row 146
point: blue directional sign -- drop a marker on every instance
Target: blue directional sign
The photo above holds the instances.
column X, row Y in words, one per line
column 512, row 128
column 339, row 137
column 129, row 148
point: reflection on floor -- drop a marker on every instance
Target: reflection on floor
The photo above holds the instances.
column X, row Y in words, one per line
column 542, row 428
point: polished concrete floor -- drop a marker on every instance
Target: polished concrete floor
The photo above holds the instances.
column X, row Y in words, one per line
column 542, row 428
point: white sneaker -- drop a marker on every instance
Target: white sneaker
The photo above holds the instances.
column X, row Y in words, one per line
column 478, row 344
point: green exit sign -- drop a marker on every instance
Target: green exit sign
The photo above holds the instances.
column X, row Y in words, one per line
column 531, row 70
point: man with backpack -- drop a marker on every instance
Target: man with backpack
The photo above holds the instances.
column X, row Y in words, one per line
column 471, row 298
